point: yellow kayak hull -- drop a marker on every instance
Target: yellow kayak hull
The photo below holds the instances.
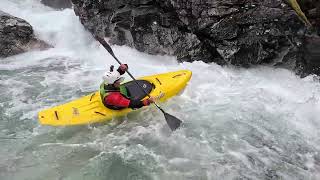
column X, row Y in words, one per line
column 90, row 109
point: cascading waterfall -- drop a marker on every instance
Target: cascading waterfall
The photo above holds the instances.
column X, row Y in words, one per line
column 258, row 123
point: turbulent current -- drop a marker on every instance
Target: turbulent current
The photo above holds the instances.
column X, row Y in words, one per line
column 258, row 123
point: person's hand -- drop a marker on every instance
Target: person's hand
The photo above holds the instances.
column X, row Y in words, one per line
column 152, row 99
column 123, row 67
column 148, row 101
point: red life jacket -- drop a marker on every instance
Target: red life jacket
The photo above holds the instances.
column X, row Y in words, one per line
column 116, row 99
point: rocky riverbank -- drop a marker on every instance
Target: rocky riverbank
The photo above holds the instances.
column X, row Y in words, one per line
column 237, row 32
column 16, row 36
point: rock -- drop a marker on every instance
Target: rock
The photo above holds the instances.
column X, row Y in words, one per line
column 312, row 10
column 238, row 32
column 304, row 56
column 287, row 59
column 309, row 58
column 16, row 36
column 57, row 4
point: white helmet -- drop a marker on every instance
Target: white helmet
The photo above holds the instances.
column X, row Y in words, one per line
column 112, row 77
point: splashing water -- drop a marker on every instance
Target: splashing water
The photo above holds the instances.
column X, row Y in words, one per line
column 259, row 123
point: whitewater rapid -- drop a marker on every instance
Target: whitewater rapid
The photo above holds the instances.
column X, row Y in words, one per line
column 257, row 123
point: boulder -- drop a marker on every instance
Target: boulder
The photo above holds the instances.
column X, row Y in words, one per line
column 16, row 36
column 309, row 56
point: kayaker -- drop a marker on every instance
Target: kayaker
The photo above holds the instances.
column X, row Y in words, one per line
column 114, row 95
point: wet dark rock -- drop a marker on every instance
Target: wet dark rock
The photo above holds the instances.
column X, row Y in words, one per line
column 57, row 4
column 16, row 36
column 311, row 8
column 309, row 56
column 288, row 58
column 238, row 32
column 303, row 57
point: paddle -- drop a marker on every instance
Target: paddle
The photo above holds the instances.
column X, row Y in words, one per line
column 172, row 121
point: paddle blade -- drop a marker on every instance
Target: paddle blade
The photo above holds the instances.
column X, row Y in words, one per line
column 172, row 121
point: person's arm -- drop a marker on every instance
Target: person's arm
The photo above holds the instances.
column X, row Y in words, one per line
column 134, row 104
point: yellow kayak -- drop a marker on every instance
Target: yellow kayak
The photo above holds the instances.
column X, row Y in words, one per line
column 90, row 109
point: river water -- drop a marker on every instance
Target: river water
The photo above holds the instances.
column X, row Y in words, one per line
column 258, row 123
